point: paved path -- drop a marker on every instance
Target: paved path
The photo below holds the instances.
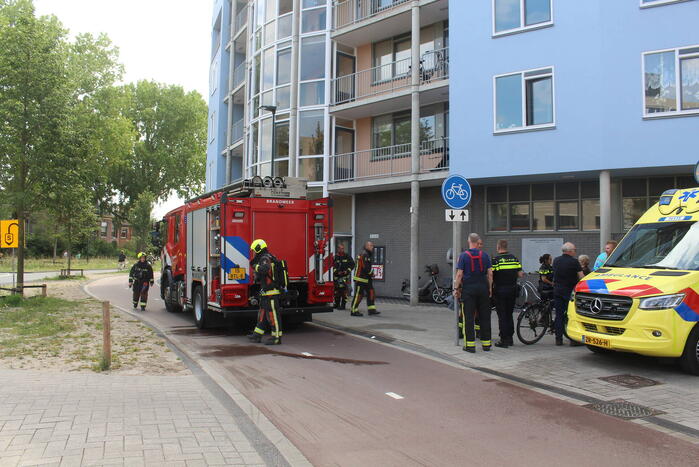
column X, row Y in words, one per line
column 567, row 369
column 71, row 419
column 343, row 400
column 6, row 277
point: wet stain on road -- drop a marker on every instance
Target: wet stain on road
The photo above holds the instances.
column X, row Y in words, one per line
column 255, row 350
column 196, row 332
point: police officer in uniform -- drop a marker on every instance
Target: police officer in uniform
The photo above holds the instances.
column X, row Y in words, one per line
column 473, row 285
column 140, row 280
column 363, row 282
column 343, row 264
column 269, row 316
column 546, row 277
column 506, row 270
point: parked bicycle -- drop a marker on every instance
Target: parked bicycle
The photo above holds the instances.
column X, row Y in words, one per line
column 430, row 289
column 536, row 317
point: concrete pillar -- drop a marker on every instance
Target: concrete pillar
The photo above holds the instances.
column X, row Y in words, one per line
column 294, row 93
column 605, row 208
column 415, row 155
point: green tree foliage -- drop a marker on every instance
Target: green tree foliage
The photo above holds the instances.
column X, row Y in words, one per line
column 169, row 155
column 142, row 221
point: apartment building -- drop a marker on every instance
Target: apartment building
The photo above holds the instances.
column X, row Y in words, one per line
column 568, row 118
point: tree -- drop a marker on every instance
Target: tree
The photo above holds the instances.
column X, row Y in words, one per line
column 141, row 219
column 169, row 153
column 47, row 85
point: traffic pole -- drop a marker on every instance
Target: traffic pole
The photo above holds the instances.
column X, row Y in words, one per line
column 456, row 252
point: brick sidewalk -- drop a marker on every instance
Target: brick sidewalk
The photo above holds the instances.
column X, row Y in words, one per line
column 574, row 369
column 67, row 419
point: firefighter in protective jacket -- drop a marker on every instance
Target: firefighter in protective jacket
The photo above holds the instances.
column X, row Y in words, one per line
column 343, row 264
column 363, row 282
column 268, row 274
column 140, row 280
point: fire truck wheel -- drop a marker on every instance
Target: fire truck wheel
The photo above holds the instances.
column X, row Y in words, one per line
column 199, row 308
column 690, row 357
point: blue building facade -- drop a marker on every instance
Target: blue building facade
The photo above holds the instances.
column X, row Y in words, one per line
column 218, row 88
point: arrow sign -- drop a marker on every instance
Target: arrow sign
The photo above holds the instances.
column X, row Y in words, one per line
column 456, row 215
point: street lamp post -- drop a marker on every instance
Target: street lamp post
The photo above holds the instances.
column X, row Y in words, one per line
column 273, row 110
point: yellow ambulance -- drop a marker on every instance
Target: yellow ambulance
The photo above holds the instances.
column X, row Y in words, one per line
column 645, row 299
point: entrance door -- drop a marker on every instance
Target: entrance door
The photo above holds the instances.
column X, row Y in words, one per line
column 343, row 169
column 344, row 85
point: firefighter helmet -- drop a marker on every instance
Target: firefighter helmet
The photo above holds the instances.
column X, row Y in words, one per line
column 140, row 254
column 258, row 245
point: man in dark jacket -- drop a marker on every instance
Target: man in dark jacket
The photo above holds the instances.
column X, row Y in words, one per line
column 506, row 270
column 363, row 282
column 140, row 280
column 566, row 274
column 343, row 264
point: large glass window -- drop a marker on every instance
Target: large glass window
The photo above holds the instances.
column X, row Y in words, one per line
column 313, row 20
column 311, row 169
column 312, row 58
column 543, row 207
column 283, row 98
column 311, row 132
column 268, row 70
column 524, row 100
column 283, row 66
column 515, row 15
column 663, row 72
column 284, row 25
column 312, row 93
column 282, row 140
column 392, row 58
column 285, row 6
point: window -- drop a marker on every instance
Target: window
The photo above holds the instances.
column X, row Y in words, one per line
column 311, row 169
column 312, row 93
column 212, row 127
column 312, row 58
column 651, row 3
column 313, row 20
column 177, row 228
column 511, row 16
column 284, row 66
column 391, row 134
column 392, row 58
column 311, row 132
column 671, row 82
column 103, row 229
column 543, row 207
column 524, row 100
column 124, row 232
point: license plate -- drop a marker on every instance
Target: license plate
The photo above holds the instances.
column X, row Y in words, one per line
column 597, row 341
column 236, row 274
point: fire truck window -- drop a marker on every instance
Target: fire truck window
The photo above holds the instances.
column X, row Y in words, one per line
column 177, row 228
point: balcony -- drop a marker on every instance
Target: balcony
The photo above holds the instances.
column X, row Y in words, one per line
column 357, row 22
column 241, row 20
column 390, row 161
column 237, row 131
column 238, row 75
column 367, row 92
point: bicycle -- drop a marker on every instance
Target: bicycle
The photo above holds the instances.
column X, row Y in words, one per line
column 456, row 190
column 536, row 318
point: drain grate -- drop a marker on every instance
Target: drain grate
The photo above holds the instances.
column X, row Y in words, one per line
column 630, row 381
column 623, row 409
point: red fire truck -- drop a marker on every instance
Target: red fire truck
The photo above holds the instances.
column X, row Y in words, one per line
column 206, row 249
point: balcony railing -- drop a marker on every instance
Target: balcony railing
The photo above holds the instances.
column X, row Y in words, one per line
column 387, row 78
column 389, row 161
column 237, row 131
column 241, row 19
column 238, row 75
column 380, row 79
column 346, row 12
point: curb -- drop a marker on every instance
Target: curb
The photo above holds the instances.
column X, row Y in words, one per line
column 270, row 443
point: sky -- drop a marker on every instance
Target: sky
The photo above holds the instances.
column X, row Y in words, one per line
column 168, row 41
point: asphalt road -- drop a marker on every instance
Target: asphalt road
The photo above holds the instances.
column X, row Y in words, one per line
column 342, row 400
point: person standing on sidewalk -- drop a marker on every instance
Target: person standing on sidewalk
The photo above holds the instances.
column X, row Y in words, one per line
column 343, row 264
column 506, row 270
column 566, row 274
column 473, row 284
column 363, row 282
column 121, row 260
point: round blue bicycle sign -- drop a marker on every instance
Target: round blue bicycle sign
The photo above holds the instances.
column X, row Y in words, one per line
column 456, row 192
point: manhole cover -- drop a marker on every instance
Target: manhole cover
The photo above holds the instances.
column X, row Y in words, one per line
column 623, row 409
column 630, row 381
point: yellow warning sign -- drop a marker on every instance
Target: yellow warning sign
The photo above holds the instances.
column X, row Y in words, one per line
column 9, row 234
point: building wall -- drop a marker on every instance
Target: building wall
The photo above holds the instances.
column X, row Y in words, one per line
column 387, row 214
column 595, row 48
